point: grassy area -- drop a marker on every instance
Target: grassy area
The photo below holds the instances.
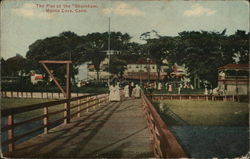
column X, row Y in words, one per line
column 209, row 112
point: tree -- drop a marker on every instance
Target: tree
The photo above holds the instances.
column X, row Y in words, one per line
column 201, row 52
column 237, row 43
column 96, row 45
column 158, row 48
column 14, row 66
column 117, row 66
column 66, row 46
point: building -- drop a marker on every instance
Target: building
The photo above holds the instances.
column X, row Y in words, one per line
column 103, row 73
column 144, row 70
column 178, row 71
column 234, row 79
column 35, row 78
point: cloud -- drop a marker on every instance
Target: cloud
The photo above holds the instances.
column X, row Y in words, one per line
column 29, row 10
column 198, row 10
column 123, row 9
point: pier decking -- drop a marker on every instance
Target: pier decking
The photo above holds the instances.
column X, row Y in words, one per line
column 117, row 130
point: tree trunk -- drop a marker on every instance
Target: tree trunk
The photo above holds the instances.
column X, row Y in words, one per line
column 97, row 75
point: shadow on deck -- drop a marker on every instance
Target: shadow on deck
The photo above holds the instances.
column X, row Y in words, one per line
column 114, row 130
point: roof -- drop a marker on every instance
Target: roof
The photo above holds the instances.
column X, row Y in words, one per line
column 234, row 66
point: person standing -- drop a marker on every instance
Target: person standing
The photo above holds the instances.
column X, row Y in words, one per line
column 126, row 91
column 159, row 86
column 170, row 88
column 117, row 96
column 112, row 92
column 130, row 88
column 137, row 91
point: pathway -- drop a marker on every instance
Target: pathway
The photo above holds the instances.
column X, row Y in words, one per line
column 116, row 130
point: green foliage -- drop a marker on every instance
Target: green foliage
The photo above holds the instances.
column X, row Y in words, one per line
column 117, row 66
column 210, row 112
column 201, row 51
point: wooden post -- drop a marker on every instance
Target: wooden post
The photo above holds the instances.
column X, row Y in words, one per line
column 68, row 92
column 26, row 94
column 233, row 98
column 31, row 94
column 52, row 95
column 45, row 119
column 78, row 108
column 198, row 97
column 94, row 102
column 206, row 98
column 21, row 94
column 10, row 122
column 42, row 95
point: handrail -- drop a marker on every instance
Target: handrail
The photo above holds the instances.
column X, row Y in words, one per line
column 18, row 110
column 234, row 98
column 11, row 112
column 164, row 143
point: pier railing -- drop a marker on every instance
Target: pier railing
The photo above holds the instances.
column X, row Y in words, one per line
column 77, row 105
column 164, row 142
column 197, row 97
column 42, row 95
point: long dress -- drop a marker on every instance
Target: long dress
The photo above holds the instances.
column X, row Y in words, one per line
column 137, row 92
column 159, row 86
column 126, row 91
column 111, row 93
column 117, row 96
column 170, row 89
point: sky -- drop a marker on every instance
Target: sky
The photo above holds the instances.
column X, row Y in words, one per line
column 23, row 22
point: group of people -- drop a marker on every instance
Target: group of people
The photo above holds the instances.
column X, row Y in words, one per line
column 130, row 91
column 168, row 86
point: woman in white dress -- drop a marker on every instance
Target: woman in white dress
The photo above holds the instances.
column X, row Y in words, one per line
column 111, row 93
column 117, row 96
column 126, row 91
column 137, row 91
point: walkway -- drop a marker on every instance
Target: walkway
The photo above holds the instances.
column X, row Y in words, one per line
column 116, row 130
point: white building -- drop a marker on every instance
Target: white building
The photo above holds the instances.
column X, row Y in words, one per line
column 103, row 73
column 234, row 79
column 144, row 70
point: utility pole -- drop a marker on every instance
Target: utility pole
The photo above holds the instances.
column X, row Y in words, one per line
column 109, row 54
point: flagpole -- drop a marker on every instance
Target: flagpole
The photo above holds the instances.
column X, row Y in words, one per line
column 109, row 53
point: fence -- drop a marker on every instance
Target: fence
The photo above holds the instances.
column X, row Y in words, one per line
column 196, row 97
column 77, row 105
column 164, row 143
column 43, row 95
